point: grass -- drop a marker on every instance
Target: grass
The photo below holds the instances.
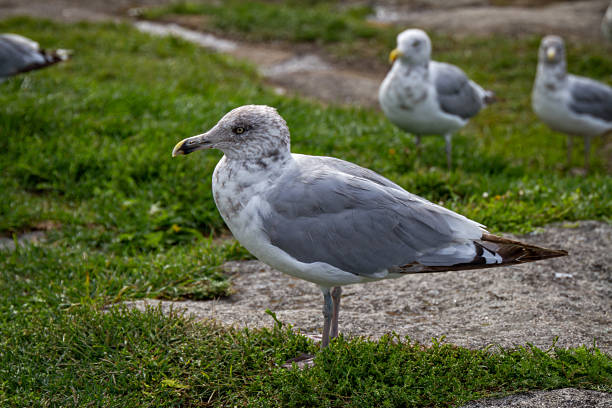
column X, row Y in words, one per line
column 86, row 146
column 316, row 21
column 122, row 358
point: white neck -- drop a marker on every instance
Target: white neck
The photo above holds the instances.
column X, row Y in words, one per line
column 551, row 76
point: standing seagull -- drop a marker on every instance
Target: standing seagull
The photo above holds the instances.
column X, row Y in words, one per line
column 332, row 222
column 568, row 103
column 20, row 54
column 426, row 97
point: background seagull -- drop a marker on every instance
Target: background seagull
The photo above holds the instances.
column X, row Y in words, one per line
column 332, row 222
column 568, row 103
column 20, row 54
column 426, row 97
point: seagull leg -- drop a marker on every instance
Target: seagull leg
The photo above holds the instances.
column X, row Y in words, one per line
column 570, row 145
column 335, row 294
column 327, row 315
column 417, row 141
column 447, row 139
column 587, row 153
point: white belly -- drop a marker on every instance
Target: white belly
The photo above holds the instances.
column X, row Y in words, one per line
column 415, row 108
column 552, row 109
column 426, row 118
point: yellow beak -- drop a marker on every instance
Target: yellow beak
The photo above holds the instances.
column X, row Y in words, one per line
column 551, row 54
column 393, row 55
column 191, row 144
column 177, row 149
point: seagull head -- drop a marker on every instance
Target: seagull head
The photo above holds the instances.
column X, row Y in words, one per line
column 552, row 50
column 413, row 47
column 247, row 132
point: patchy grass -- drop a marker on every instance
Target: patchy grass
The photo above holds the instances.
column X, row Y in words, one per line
column 86, row 144
column 119, row 358
column 302, row 21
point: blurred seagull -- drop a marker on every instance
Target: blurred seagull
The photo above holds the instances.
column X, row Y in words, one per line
column 20, row 54
column 606, row 23
column 425, row 97
column 570, row 104
column 332, row 222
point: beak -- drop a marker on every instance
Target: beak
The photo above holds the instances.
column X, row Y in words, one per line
column 393, row 55
column 191, row 144
column 551, row 53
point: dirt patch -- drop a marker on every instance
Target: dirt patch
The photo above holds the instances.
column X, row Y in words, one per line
column 298, row 72
column 73, row 10
column 579, row 20
column 27, row 238
column 568, row 297
column 565, row 398
column 34, row 235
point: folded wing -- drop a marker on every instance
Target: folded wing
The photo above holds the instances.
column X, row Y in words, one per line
column 349, row 217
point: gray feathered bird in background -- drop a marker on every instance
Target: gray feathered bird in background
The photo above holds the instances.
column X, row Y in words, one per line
column 570, row 104
column 425, row 97
column 19, row 54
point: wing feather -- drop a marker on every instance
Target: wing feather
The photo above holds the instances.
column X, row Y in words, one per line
column 336, row 212
column 591, row 98
column 457, row 95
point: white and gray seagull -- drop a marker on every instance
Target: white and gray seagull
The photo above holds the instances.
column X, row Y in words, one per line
column 570, row 104
column 425, row 97
column 332, row 222
column 19, row 54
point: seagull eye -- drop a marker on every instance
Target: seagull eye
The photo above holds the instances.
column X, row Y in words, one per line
column 238, row 130
column 416, row 43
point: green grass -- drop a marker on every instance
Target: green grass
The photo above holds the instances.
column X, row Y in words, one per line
column 87, row 144
column 316, row 21
column 120, row 358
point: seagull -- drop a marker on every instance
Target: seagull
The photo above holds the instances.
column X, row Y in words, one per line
column 606, row 23
column 332, row 222
column 425, row 97
column 20, row 54
column 570, row 104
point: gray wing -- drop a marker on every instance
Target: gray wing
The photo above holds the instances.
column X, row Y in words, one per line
column 348, row 168
column 456, row 93
column 359, row 223
column 591, row 98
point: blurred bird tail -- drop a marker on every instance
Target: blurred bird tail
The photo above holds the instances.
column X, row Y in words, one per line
column 58, row 55
column 489, row 97
column 51, row 57
column 63, row 54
